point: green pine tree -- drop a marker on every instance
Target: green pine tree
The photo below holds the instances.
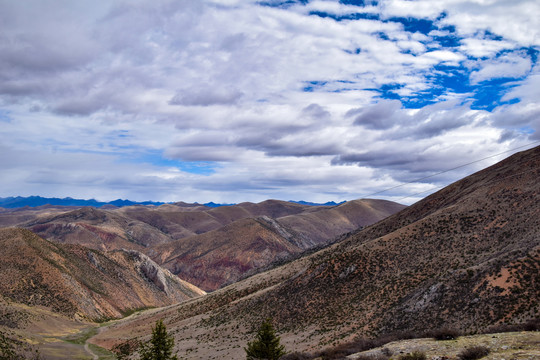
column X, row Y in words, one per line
column 266, row 346
column 160, row 346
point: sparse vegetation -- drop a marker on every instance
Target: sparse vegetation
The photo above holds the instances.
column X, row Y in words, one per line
column 124, row 350
column 445, row 334
column 473, row 353
column 15, row 349
column 81, row 337
column 416, row 355
column 7, row 348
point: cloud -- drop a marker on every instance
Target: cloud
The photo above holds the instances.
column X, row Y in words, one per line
column 482, row 47
column 427, row 122
column 379, row 116
column 206, row 96
column 513, row 65
column 440, row 118
column 317, row 99
column 521, row 118
column 423, row 160
column 316, row 111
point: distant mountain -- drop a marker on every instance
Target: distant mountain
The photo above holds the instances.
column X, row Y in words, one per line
column 34, row 201
column 466, row 257
column 329, row 203
column 79, row 282
column 212, row 204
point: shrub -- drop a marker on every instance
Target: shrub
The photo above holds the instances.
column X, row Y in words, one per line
column 473, row 353
column 340, row 351
column 373, row 357
column 416, row 355
column 125, row 349
column 297, row 356
column 445, row 334
column 360, row 344
column 532, row 325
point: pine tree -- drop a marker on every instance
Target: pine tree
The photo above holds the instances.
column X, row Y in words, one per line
column 266, row 345
column 160, row 346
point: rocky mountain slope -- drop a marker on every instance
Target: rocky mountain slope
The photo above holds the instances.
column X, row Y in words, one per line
column 82, row 283
column 466, row 257
column 214, row 258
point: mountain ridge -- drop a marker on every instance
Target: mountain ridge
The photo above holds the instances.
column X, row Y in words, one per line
column 13, row 202
column 284, row 229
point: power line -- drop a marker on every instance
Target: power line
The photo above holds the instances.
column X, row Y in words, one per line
column 448, row 170
column 421, row 192
column 489, row 183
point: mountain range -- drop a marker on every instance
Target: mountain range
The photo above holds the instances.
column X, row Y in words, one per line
column 14, row 202
column 466, row 257
column 206, row 246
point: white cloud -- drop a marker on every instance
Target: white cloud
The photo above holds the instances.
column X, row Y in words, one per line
column 421, row 9
column 484, row 47
column 514, row 20
column 444, row 56
column 114, row 95
column 513, row 65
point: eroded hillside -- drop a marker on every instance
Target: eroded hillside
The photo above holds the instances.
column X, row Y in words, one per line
column 83, row 283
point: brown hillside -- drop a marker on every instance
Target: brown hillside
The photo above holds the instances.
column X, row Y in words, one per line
column 227, row 241
column 97, row 229
column 220, row 256
column 467, row 257
column 79, row 282
column 180, row 221
column 325, row 224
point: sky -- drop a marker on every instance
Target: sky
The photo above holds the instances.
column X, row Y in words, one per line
column 231, row 101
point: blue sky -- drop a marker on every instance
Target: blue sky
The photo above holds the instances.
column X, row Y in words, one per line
column 230, row 101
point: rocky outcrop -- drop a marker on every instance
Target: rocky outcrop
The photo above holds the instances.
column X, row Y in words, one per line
column 81, row 282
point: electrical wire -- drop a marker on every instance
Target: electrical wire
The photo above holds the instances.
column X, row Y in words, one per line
column 448, row 170
column 489, row 183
